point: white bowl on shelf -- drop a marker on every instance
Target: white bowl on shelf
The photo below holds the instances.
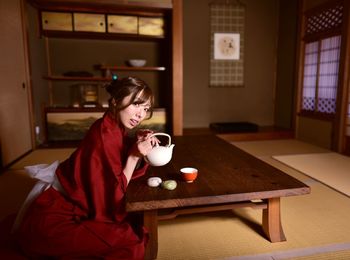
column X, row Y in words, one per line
column 137, row 62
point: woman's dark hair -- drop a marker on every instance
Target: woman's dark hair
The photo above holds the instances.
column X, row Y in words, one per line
column 121, row 88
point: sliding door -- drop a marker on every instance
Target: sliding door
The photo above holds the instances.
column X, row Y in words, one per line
column 15, row 113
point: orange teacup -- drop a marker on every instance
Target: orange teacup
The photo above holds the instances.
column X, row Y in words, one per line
column 189, row 174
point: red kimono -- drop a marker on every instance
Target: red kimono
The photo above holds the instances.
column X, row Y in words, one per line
column 88, row 220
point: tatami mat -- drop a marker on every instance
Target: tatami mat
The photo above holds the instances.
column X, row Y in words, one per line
column 284, row 168
column 332, row 169
column 317, row 219
column 39, row 156
column 335, row 255
column 14, row 188
column 278, row 147
column 331, row 251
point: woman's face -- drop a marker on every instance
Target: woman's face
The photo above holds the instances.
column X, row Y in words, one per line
column 135, row 113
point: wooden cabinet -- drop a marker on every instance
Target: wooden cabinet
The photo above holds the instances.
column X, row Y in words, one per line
column 89, row 22
column 120, row 32
column 16, row 131
column 151, row 26
column 77, row 22
column 122, row 24
column 57, row 21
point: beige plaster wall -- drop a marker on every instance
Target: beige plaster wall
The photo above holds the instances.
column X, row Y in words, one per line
column 314, row 131
column 255, row 101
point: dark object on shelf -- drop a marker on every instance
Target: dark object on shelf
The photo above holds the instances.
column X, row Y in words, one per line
column 234, row 127
column 84, row 95
column 78, row 74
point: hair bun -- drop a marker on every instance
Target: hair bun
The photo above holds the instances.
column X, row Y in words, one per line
column 110, row 86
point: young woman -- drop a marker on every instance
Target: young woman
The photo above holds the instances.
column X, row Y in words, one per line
column 82, row 214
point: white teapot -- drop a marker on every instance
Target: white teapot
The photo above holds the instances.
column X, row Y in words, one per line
column 160, row 155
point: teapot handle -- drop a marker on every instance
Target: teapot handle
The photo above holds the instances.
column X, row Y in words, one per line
column 164, row 134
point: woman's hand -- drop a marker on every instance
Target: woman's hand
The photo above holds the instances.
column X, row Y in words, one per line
column 144, row 146
column 144, row 143
column 143, row 134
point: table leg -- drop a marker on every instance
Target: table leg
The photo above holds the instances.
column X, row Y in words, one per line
column 271, row 220
column 150, row 221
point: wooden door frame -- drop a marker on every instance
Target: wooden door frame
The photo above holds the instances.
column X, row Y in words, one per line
column 19, row 121
column 28, row 70
column 338, row 138
column 339, row 125
column 177, row 73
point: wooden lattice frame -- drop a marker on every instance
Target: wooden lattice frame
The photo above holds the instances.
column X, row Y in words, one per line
column 325, row 20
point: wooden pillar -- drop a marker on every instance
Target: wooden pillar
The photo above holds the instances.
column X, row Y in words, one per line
column 177, row 45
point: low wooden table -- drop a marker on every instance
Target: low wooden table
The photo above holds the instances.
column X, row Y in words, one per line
column 228, row 178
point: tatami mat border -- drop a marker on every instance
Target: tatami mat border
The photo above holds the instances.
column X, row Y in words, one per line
column 283, row 255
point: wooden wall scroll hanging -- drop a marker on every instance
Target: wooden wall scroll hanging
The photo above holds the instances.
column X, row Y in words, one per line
column 227, row 20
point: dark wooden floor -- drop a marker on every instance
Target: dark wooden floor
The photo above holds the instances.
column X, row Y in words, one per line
column 263, row 133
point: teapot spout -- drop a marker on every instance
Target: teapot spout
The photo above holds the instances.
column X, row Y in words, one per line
column 171, row 147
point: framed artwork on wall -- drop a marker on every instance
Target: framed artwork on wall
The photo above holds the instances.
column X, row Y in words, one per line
column 226, row 46
column 69, row 125
column 66, row 124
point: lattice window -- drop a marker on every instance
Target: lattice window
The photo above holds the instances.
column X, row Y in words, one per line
column 321, row 59
column 310, row 76
column 321, row 68
column 324, row 21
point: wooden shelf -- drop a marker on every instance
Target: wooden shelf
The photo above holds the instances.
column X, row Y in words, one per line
column 132, row 68
column 170, row 49
column 65, row 78
column 112, row 68
column 74, row 109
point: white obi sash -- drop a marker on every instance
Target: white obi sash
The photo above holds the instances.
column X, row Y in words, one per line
column 46, row 176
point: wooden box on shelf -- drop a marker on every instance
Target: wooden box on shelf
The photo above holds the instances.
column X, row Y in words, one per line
column 102, row 24
column 56, row 21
